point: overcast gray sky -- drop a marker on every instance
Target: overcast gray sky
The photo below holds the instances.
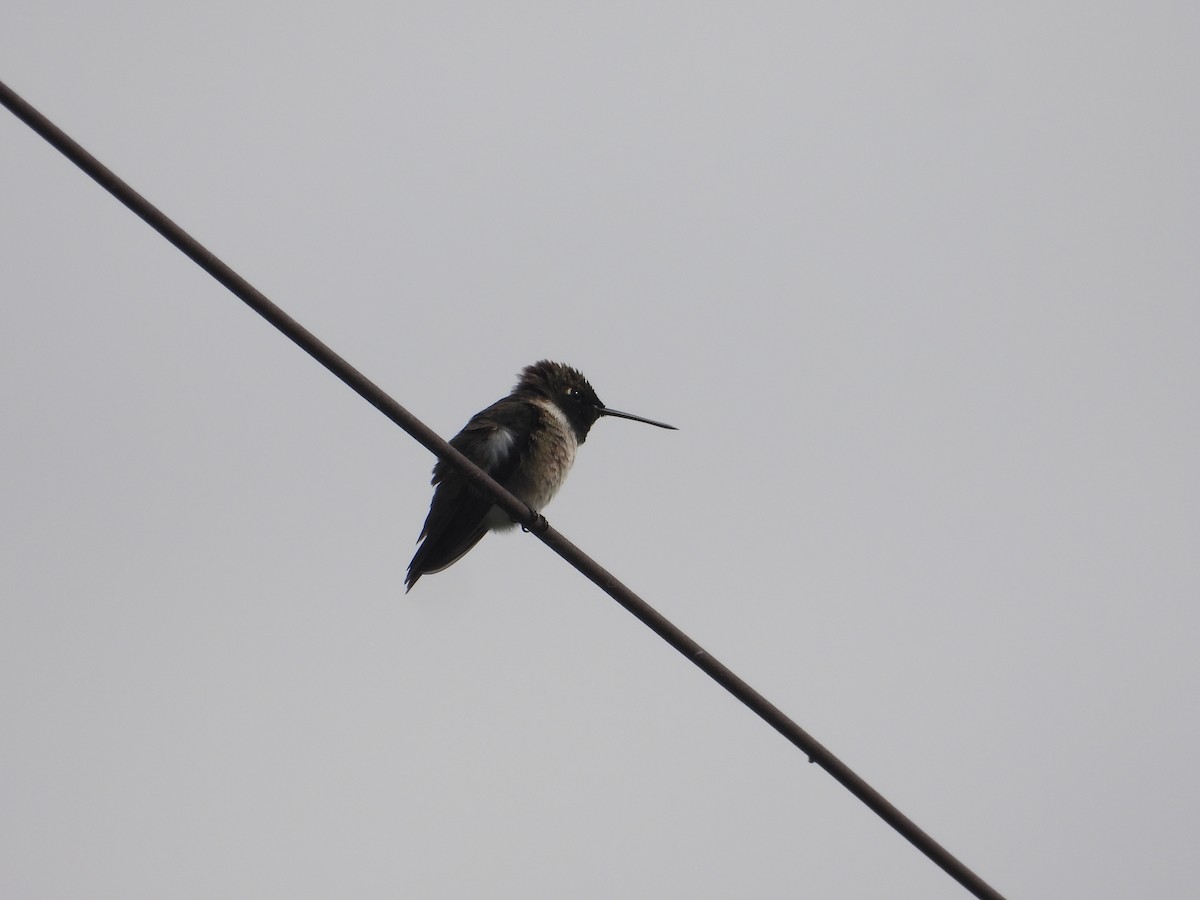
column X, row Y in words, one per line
column 917, row 282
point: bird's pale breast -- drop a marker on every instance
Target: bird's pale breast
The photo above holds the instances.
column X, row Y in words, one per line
column 551, row 454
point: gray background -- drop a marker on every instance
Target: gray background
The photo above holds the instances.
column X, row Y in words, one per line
column 918, row 282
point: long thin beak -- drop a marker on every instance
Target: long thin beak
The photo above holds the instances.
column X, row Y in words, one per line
column 605, row 411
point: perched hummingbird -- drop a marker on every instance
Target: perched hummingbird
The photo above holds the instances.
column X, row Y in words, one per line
column 527, row 442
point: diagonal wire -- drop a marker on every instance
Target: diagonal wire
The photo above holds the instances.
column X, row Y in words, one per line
column 521, row 513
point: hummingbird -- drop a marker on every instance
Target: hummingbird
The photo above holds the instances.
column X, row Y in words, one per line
column 527, row 442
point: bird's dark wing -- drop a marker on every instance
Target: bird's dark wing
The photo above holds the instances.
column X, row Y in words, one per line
column 494, row 440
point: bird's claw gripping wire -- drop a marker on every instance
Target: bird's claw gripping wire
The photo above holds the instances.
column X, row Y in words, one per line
column 539, row 525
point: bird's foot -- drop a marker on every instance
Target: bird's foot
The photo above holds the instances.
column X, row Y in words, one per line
column 539, row 525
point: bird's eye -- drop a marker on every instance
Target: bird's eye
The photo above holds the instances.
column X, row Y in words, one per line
column 571, row 392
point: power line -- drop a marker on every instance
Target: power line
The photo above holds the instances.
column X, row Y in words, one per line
column 370, row 392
